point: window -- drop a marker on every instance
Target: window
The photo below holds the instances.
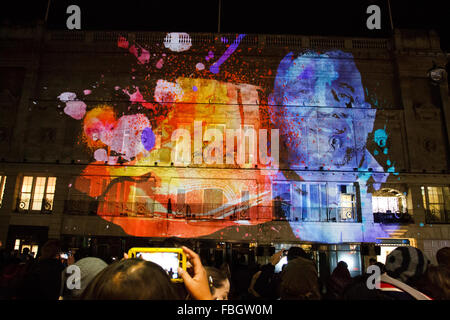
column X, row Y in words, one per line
column 346, row 202
column 126, row 196
column 281, row 195
column 436, row 201
column 310, row 202
column 2, row 188
column 37, row 194
column 350, row 254
column 181, row 201
column 17, row 244
column 212, row 200
column 385, row 204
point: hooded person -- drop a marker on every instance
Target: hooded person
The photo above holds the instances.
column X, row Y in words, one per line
column 270, row 285
column 443, row 257
column 299, row 280
column 89, row 268
column 339, row 280
column 405, row 266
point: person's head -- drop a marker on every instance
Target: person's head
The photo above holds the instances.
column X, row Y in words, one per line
column 443, row 256
column 50, row 249
column 341, row 271
column 372, row 261
column 89, row 268
column 131, row 279
column 219, row 284
column 407, row 264
column 436, row 282
column 296, row 252
column 26, row 251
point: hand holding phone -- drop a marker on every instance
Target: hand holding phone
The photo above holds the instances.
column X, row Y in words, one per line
column 70, row 259
column 197, row 284
column 276, row 257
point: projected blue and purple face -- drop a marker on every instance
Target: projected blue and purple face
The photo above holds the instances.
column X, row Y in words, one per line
column 318, row 103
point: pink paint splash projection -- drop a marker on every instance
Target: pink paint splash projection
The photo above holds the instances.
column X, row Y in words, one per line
column 122, row 136
column 135, row 189
column 74, row 108
column 139, row 52
column 137, row 97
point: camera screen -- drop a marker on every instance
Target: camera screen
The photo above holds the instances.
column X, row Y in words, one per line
column 167, row 260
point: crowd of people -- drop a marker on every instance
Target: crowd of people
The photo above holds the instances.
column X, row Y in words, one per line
column 406, row 275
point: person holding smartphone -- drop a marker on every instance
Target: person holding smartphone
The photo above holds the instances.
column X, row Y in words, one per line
column 138, row 279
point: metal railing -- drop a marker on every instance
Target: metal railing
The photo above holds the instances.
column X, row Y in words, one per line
column 211, row 211
column 26, row 206
column 255, row 40
column 390, row 217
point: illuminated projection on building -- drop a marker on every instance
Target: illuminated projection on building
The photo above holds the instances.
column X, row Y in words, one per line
column 191, row 140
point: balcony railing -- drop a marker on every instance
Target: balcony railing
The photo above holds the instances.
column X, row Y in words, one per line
column 437, row 216
column 26, row 206
column 211, row 211
column 390, row 217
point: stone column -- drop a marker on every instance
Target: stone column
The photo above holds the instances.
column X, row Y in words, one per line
column 415, row 204
column 8, row 205
column 57, row 214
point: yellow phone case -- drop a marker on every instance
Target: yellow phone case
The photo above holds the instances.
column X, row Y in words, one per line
column 132, row 254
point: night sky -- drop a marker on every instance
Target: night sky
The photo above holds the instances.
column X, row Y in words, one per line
column 340, row 18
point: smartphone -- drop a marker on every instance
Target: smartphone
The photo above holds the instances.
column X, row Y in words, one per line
column 168, row 258
column 64, row 256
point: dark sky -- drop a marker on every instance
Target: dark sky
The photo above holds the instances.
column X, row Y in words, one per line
column 317, row 17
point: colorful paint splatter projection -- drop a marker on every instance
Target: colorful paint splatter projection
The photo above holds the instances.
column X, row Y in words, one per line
column 314, row 117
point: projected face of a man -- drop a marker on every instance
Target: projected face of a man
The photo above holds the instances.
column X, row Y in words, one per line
column 313, row 104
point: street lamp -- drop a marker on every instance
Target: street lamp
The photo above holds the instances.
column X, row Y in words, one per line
column 436, row 74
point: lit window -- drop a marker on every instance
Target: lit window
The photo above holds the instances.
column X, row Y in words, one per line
column 436, row 201
column 2, row 188
column 385, row 204
column 37, row 194
column 17, row 244
column 347, row 202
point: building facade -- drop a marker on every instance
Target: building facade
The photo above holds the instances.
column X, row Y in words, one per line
column 110, row 139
